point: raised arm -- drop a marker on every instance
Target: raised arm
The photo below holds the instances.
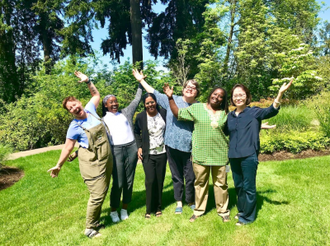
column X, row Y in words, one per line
column 68, row 147
column 169, row 93
column 140, row 77
column 283, row 89
column 94, row 92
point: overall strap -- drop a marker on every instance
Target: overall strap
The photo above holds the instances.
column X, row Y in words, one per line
column 96, row 117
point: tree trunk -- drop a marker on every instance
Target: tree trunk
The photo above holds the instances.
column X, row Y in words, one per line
column 231, row 33
column 136, row 26
column 46, row 42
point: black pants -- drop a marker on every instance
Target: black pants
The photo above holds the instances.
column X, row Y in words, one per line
column 154, row 169
column 181, row 168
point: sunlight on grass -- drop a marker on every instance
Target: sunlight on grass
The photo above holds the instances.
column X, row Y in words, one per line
column 292, row 209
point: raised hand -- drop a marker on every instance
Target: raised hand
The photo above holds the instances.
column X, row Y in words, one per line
column 139, row 75
column 81, row 76
column 167, row 90
column 285, row 86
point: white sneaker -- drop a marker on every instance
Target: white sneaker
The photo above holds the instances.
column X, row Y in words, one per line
column 114, row 216
column 123, row 214
column 92, row 233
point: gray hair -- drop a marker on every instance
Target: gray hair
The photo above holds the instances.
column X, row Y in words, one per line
column 105, row 99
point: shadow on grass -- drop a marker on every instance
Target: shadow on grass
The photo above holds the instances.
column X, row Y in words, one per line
column 261, row 198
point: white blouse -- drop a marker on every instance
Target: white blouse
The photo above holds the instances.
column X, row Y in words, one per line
column 156, row 128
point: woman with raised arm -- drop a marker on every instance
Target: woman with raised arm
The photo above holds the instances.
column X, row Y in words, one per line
column 124, row 149
column 95, row 158
column 178, row 140
column 149, row 133
column 209, row 148
column 243, row 126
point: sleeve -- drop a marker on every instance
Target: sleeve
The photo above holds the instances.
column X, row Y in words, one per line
column 130, row 109
column 91, row 108
column 162, row 100
column 73, row 132
column 187, row 114
column 265, row 113
column 137, row 131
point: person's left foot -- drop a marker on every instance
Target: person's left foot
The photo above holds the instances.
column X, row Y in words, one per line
column 159, row 213
column 92, row 233
column 123, row 214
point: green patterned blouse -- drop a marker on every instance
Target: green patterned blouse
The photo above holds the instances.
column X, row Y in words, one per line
column 209, row 143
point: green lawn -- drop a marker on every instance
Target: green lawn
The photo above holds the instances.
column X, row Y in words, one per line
column 293, row 209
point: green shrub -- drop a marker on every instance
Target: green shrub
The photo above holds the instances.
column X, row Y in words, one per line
column 292, row 141
column 292, row 118
column 5, row 150
column 37, row 119
column 320, row 105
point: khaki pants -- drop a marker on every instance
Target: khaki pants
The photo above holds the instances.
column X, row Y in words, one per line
column 220, row 186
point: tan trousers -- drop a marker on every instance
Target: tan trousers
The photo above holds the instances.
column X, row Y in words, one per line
column 220, row 186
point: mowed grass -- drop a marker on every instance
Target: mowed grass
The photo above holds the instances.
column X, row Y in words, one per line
column 293, row 209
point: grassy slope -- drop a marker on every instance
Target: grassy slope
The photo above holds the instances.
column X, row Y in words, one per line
column 293, row 205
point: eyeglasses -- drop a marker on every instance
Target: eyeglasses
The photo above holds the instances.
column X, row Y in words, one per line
column 239, row 96
column 190, row 88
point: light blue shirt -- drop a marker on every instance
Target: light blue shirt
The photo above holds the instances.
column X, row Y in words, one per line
column 75, row 132
column 178, row 133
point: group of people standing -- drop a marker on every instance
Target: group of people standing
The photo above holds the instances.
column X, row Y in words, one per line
column 191, row 136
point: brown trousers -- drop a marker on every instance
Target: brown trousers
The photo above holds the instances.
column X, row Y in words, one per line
column 220, row 186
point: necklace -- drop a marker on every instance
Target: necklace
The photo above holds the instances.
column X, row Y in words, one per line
column 214, row 117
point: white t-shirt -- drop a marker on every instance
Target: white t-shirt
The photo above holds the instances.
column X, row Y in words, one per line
column 120, row 130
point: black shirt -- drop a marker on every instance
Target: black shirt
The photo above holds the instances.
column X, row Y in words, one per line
column 243, row 130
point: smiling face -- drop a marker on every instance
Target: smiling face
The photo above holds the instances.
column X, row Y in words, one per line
column 76, row 109
column 190, row 91
column 239, row 97
column 150, row 106
column 216, row 98
column 112, row 105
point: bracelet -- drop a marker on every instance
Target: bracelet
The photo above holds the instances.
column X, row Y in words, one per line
column 88, row 81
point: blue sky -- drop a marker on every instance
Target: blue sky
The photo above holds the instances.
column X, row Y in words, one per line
column 102, row 33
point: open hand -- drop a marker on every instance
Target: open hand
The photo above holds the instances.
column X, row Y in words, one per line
column 285, row 86
column 81, row 76
column 139, row 75
column 266, row 126
column 54, row 171
column 167, row 90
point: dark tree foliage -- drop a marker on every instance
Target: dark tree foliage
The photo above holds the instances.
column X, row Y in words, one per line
column 181, row 19
column 19, row 54
column 126, row 19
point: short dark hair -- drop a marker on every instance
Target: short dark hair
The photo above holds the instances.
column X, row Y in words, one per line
column 245, row 89
column 195, row 83
column 68, row 99
column 145, row 96
column 224, row 104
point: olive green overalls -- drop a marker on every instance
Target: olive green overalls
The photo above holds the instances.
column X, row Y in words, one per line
column 95, row 165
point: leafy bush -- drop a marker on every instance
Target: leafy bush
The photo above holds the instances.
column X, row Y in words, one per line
column 293, row 117
column 38, row 119
column 293, row 141
column 5, row 150
column 319, row 104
